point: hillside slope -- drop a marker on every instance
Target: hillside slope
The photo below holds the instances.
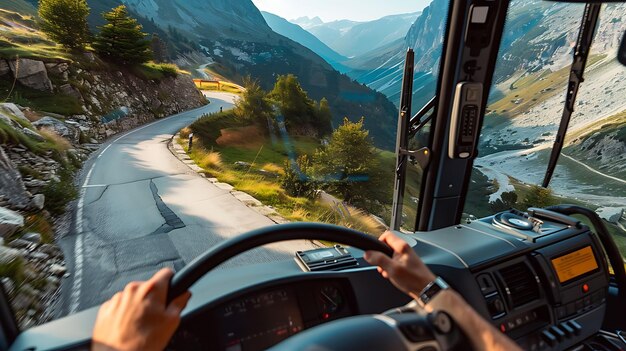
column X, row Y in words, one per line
column 299, row 35
column 531, row 43
column 234, row 41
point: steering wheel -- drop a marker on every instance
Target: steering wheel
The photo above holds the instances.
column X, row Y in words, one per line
column 218, row 254
column 399, row 331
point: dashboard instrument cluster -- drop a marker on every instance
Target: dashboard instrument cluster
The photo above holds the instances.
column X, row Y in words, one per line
column 258, row 320
column 544, row 283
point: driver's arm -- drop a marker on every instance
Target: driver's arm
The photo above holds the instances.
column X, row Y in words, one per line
column 408, row 273
column 138, row 317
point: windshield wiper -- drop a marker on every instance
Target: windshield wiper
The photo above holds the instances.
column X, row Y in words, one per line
column 581, row 53
column 416, row 124
column 407, row 127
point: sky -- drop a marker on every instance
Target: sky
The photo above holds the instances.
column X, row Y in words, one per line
column 331, row 10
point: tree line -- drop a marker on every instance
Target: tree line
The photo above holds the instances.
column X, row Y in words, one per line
column 347, row 164
column 120, row 39
column 302, row 115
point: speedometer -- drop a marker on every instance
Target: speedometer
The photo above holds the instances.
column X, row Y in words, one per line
column 330, row 299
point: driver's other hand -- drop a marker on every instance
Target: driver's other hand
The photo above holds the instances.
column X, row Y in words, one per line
column 405, row 269
column 138, row 317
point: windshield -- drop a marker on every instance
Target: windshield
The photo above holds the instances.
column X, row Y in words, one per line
column 136, row 136
column 524, row 113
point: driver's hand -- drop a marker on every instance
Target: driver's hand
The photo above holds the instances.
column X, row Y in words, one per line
column 137, row 318
column 405, row 269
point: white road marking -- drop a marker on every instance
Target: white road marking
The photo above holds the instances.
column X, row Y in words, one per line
column 78, row 246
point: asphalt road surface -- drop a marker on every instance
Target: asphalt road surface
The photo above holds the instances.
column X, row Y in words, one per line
column 141, row 209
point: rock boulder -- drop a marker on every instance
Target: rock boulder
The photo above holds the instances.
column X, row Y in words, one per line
column 12, row 188
column 14, row 110
column 31, row 73
column 10, row 222
column 39, row 201
column 33, row 135
column 58, row 127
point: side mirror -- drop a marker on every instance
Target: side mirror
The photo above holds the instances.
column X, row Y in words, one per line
column 621, row 53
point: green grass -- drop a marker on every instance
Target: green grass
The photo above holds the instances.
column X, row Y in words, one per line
column 27, row 42
column 14, row 270
column 262, row 154
column 39, row 100
column 11, row 136
column 59, row 194
column 533, row 89
column 221, row 86
column 157, row 71
column 19, row 6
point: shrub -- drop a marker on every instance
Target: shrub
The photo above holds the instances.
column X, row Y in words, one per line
column 59, row 194
column 58, row 142
column 184, row 133
column 13, row 269
column 211, row 159
column 295, row 179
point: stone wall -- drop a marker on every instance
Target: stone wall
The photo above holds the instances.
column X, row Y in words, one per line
column 112, row 101
column 31, row 265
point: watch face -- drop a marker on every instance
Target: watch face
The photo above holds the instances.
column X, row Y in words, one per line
column 432, row 289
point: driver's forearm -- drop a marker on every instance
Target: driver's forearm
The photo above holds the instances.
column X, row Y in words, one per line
column 482, row 335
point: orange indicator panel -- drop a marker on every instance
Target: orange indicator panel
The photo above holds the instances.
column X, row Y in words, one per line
column 575, row 264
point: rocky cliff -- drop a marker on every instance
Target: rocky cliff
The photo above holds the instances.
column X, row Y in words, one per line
column 101, row 100
column 41, row 150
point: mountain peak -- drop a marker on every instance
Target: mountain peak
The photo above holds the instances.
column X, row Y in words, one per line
column 307, row 22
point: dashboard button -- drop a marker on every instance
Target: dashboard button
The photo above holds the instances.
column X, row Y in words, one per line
column 557, row 332
column 486, row 283
column 569, row 331
column 574, row 325
column 549, row 338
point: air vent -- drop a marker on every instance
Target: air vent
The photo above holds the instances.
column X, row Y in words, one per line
column 334, row 265
column 520, row 283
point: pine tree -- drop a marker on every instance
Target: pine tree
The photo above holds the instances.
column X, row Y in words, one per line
column 121, row 39
column 65, row 21
column 324, row 118
column 349, row 162
column 159, row 49
column 295, row 105
column 254, row 106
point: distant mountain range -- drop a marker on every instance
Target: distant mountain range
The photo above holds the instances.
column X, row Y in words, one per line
column 531, row 43
column 307, row 22
column 350, row 38
column 299, row 35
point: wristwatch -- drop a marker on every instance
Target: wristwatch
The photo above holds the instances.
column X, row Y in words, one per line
column 431, row 290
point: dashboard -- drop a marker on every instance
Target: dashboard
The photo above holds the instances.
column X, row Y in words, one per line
column 542, row 282
column 262, row 319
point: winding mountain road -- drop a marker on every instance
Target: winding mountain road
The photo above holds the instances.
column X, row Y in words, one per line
column 141, row 209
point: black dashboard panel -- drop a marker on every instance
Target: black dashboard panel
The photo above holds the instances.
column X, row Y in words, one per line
column 261, row 319
column 545, row 287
